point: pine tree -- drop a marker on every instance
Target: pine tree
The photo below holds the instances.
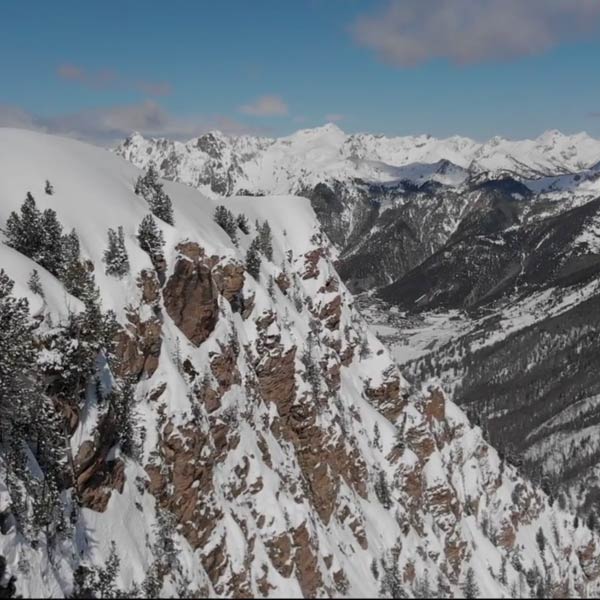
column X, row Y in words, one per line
column 375, row 569
column 311, row 369
column 242, row 223
column 503, row 580
column 77, row 276
column 107, row 576
column 470, row 589
column 51, row 250
column 161, row 205
column 18, row 360
column 36, row 235
column 225, row 219
column 151, row 239
column 164, row 544
column 122, row 402
column 152, row 584
column 146, row 183
column 35, row 283
column 253, row 259
column 540, row 538
column 271, row 286
column 382, row 490
column 23, row 230
column 391, row 580
column 266, row 240
column 115, row 256
column 151, row 189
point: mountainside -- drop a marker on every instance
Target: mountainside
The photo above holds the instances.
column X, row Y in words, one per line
column 507, row 316
column 386, row 203
column 234, row 428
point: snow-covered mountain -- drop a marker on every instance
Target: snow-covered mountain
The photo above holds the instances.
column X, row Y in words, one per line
column 217, row 163
column 385, row 203
column 235, row 434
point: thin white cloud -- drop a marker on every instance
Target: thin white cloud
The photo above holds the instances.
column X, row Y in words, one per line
column 266, row 106
column 110, row 79
column 407, row 33
column 106, row 126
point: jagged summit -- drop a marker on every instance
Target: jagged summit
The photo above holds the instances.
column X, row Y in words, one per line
column 284, row 165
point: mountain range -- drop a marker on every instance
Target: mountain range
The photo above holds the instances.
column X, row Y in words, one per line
column 477, row 263
column 195, row 403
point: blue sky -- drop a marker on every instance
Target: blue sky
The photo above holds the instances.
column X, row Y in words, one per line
column 99, row 69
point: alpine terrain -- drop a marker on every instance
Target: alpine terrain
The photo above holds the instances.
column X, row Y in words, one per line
column 476, row 263
column 193, row 404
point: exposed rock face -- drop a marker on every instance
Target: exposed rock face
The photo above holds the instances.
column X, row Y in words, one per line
column 139, row 343
column 190, row 295
column 96, row 474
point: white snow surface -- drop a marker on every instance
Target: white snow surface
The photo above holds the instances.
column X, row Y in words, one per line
column 307, row 157
column 464, row 498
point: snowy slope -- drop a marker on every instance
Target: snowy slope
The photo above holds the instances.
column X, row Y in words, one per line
column 279, row 433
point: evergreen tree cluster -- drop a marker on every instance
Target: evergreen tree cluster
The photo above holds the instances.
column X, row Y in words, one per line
column 115, row 256
column 253, row 258
column 265, row 239
column 29, row 422
column 225, row 219
column 242, row 223
column 151, row 239
column 151, row 189
column 36, row 234
column 39, row 236
column 98, row 582
column 122, row 405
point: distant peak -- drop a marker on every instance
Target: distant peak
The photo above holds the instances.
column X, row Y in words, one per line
column 551, row 134
column 133, row 136
column 328, row 128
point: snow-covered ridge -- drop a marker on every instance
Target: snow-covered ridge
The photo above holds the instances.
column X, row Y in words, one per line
column 217, row 163
column 283, row 448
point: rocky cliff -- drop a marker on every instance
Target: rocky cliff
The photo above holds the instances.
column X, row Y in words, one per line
column 274, row 448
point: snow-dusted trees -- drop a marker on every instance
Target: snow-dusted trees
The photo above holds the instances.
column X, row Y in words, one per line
column 76, row 275
column 34, row 283
column 382, row 490
column 151, row 189
column 36, row 234
column 540, row 539
column 115, row 256
column 98, row 582
column 29, row 422
column 242, row 223
column 50, row 256
column 266, row 240
column 23, row 231
column 470, row 589
column 391, row 579
column 224, row 218
column 122, row 404
column 312, row 373
column 151, row 239
column 253, row 259
column 18, row 359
